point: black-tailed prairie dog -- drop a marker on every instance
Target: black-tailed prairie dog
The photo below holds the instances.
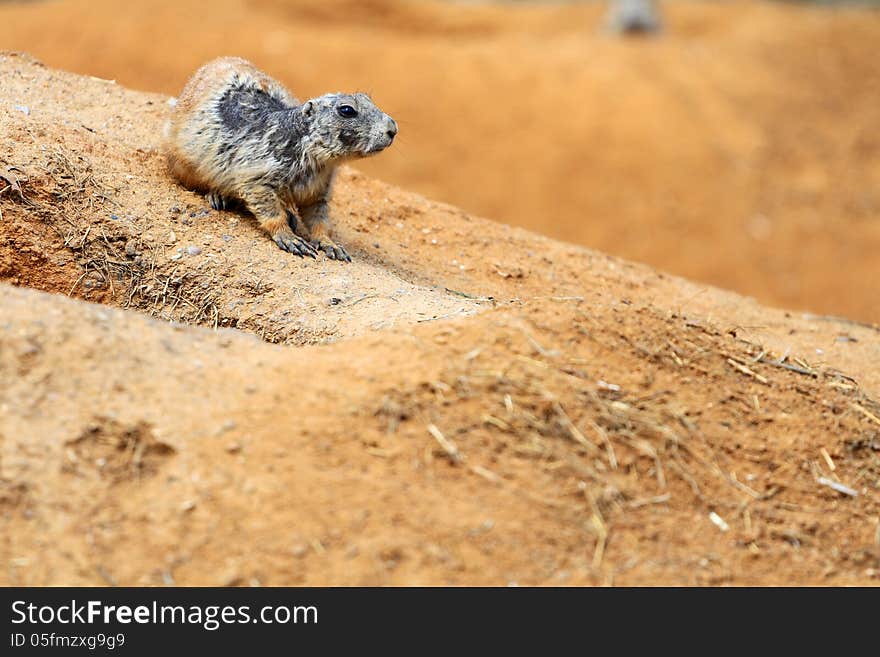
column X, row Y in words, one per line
column 236, row 134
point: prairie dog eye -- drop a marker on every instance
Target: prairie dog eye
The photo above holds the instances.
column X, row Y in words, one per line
column 346, row 111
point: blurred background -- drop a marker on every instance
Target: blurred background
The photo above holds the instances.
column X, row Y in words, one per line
column 735, row 142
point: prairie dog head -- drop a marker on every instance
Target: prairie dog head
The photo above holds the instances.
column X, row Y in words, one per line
column 347, row 126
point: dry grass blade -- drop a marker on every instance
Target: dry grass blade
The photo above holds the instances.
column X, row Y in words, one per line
column 864, row 411
column 486, row 474
column 748, row 372
column 840, row 488
column 609, row 448
column 447, row 445
column 657, row 499
column 573, row 431
column 827, row 457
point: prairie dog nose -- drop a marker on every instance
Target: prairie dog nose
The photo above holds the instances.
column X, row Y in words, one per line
column 391, row 128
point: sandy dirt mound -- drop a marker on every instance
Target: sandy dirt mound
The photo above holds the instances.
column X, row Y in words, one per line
column 564, row 418
column 740, row 149
column 94, row 183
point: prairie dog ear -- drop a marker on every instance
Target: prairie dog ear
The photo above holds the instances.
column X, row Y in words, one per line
column 308, row 108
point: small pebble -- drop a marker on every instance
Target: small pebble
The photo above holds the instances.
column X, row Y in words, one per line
column 193, row 250
column 719, row 522
column 229, row 425
column 24, row 109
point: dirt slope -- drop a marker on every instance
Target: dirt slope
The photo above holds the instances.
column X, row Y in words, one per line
column 740, row 149
column 563, row 417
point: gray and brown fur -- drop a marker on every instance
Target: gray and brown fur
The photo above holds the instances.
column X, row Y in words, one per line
column 236, row 134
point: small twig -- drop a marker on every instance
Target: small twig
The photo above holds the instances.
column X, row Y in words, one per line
column 469, row 296
column 840, row 488
column 786, row 366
